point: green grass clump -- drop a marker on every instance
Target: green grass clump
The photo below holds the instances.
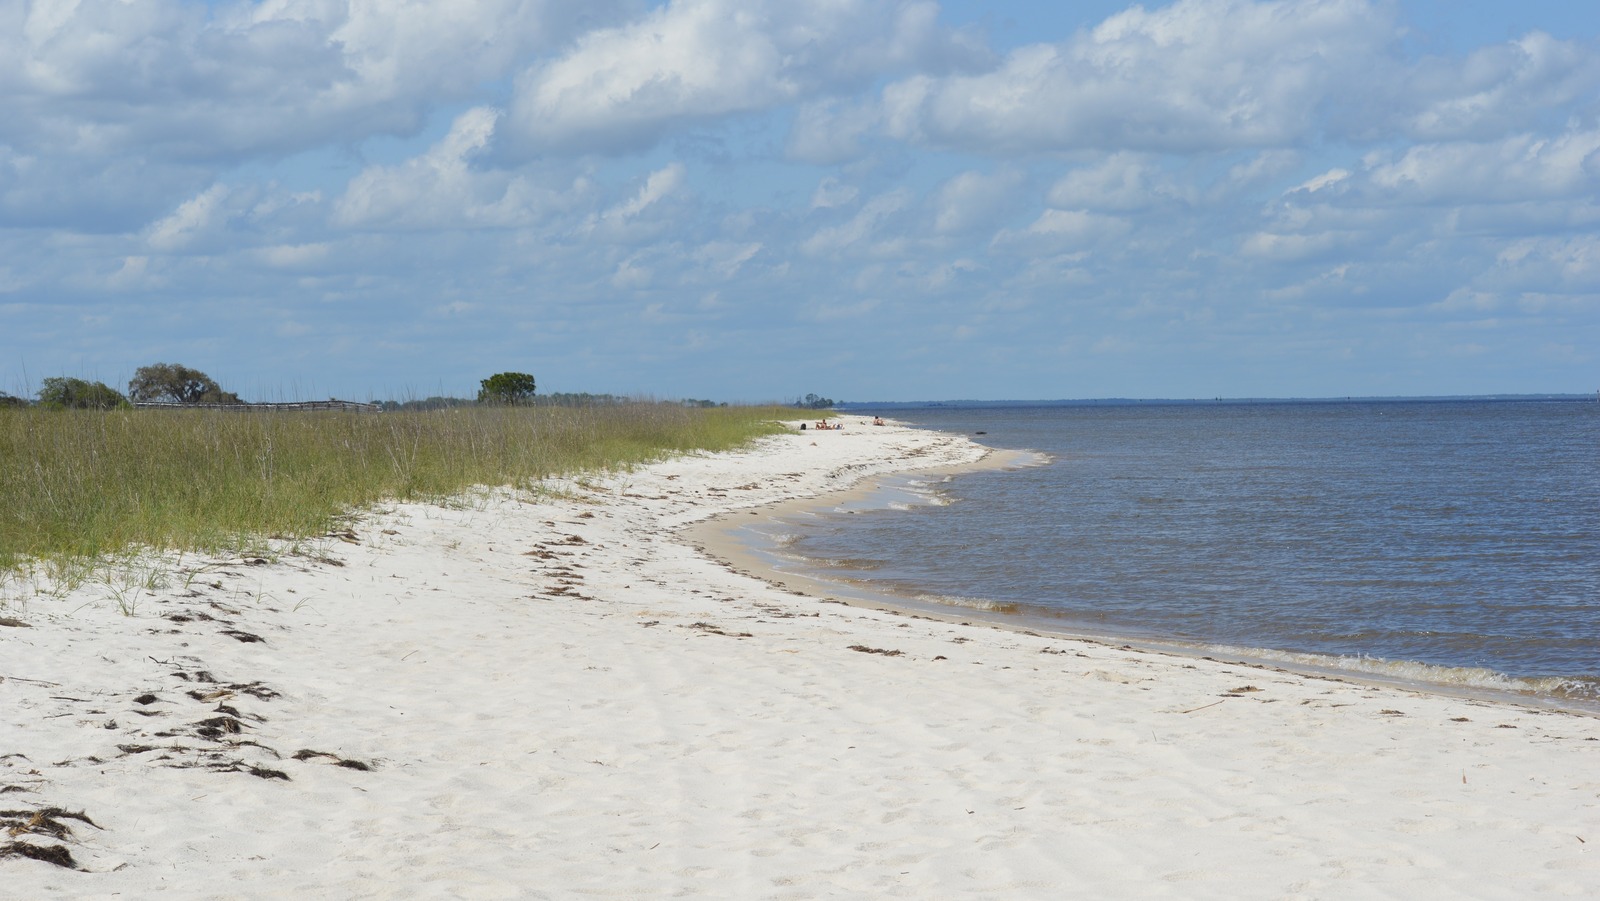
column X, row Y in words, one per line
column 84, row 484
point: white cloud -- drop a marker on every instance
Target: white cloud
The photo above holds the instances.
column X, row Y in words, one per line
column 660, row 183
column 1290, row 247
column 1555, row 264
column 1326, row 180
column 1261, row 167
column 195, row 81
column 857, row 233
column 1196, row 75
column 1059, row 231
column 191, row 220
column 445, row 188
column 617, row 221
column 974, row 199
column 1520, row 167
column 295, row 256
column 725, row 258
column 694, row 61
column 1122, row 182
column 831, row 131
column 1500, row 88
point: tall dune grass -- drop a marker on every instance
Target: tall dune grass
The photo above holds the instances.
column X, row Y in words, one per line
column 82, row 484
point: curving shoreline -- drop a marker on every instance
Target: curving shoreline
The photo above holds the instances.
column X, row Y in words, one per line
column 559, row 694
column 729, row 538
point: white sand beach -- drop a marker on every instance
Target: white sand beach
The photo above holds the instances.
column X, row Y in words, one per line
column 560, row 696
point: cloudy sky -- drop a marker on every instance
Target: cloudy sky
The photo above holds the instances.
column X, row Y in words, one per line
column 751, row 200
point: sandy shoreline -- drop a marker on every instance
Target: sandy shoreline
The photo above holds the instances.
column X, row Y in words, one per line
column 730, row 539
column 561, row 696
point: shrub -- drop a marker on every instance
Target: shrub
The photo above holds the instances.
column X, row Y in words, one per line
column 63, row 393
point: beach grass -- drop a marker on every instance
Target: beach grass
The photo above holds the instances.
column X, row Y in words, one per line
column 81, row 485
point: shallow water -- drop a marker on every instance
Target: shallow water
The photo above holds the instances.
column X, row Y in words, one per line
column 1445, row 541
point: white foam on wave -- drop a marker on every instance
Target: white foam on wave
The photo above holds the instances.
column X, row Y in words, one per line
column 781, row 539
column 945, row 600
column 1471, row 677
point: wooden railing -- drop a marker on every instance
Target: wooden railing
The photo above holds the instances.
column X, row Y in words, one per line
column 343, row 406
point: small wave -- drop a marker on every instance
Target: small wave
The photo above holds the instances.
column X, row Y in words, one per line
column 1030, row 459
column 969, row 603
column 922, row 494
column 1580, row 688
column 845, row 562
column 779, row 539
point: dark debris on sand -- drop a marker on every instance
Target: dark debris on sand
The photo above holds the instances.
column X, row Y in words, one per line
column 866, row 650
column 308, row 754
column 44, row 821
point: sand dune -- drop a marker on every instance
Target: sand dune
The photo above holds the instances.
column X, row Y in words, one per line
column 560, row 696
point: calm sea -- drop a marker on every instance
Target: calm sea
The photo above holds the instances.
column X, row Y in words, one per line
column 1453, row 542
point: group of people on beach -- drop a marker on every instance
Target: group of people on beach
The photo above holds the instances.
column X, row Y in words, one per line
column 823, row 426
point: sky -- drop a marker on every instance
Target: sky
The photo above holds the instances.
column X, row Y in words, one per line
column 754, row 200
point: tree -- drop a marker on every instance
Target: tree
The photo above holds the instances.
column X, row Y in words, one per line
column 510, row 388
column 77, row 394
column 173, row 383
column 7, row 400
column 813, row 402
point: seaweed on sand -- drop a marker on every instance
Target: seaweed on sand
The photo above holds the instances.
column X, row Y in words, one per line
column 45, row 821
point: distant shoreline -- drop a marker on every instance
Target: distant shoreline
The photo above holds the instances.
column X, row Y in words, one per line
column 866, row 406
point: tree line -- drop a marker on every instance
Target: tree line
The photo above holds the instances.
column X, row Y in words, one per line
column 157, row 383
column 172, row 383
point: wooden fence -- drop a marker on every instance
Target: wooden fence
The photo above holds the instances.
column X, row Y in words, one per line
column 343, row 406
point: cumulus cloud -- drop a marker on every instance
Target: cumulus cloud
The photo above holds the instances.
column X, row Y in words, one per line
column 189, row 82
column 443, row 188
column 694, row 61
column 1518, row 167
column 1496, row 89
column 1196, row 75
column 1206, row 75
column 1122, row 182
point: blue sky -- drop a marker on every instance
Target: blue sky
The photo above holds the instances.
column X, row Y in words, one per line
column 751, row 201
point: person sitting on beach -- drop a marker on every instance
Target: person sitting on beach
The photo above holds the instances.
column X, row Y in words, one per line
column 877, row 420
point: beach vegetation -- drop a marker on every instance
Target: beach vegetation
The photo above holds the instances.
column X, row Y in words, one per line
column 510, row 388
column 85, row 484
column 8, row 402
column 65, row 393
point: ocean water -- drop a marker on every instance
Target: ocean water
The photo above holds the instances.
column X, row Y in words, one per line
column 1443, row 541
